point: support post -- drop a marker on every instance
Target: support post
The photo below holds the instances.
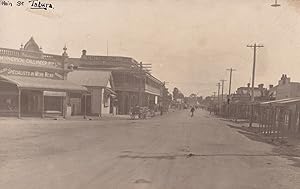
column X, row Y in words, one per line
column 101, row 102
column 43, row 105
column 84, row 106
column 19, row 103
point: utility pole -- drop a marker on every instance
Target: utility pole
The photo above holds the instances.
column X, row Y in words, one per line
column 230, row 79
column 107, row 48
column 222, row 80
column 219, row 85
column 143, row 69
column 255, row 46
column 229, row 90
column 141, row 83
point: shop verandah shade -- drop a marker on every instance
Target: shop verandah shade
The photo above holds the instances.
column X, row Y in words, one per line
column 41, row 83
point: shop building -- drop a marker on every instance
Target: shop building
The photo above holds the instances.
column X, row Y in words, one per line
column 33, row 83
column 100, row 100
column 133, row 84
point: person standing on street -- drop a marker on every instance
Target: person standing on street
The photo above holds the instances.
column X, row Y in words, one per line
column 192, row 111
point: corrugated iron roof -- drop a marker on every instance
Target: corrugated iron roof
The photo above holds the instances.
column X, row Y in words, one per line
column 90, row 78
column 289, row 101
column 43, row 83
column 282, row 101
column 274, row 101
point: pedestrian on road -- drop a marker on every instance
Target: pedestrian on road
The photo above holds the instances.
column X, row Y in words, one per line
column 192, row 111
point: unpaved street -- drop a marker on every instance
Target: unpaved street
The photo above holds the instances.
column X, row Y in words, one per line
column 172, row 151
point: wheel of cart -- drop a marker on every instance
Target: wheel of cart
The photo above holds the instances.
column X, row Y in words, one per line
column 143, row 112
column 134, row 112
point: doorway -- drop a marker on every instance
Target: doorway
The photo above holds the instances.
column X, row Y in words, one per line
column 31, row 103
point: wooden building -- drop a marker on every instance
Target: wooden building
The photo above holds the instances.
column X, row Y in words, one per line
column 280, row 117
column 133, row 84
column 100, row 99
column 33, row 83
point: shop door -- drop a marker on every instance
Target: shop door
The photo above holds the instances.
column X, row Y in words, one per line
column 31, row 103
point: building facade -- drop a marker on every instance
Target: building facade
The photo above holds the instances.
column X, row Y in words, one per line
column 132, row 83
column 286, row 88
column 33, row 83
column 100, row 99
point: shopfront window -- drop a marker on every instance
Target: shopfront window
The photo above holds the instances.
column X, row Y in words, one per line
column 8, row 103
column 53, row 104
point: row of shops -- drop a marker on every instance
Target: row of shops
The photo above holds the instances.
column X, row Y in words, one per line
column 36, row 84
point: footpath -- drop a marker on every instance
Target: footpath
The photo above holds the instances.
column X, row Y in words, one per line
column 60, row 119
column 289, row 146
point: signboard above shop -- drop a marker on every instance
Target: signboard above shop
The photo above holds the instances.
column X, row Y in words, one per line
column 28, row 73
column 30, row 62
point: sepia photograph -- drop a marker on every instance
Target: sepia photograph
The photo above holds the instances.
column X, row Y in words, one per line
column 150, row 94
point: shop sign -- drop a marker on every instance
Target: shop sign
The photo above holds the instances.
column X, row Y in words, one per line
column 40, row 74
column 29, row 62
column 54, row 93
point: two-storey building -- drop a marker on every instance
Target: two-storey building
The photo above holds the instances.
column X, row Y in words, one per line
column 133, row 84
column 33, row 83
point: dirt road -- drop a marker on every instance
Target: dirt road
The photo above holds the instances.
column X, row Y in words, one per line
column 173, row 151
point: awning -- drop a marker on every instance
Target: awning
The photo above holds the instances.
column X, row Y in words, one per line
column 289, row 101
column 90, row 78
column 43, row 84
column 54, row 93
column 282, row 101
column 274, row 101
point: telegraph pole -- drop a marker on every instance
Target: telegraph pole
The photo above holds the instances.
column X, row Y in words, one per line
column 107, row 48
column 255, row 46
column 141, row 83
column 230, row 79
column 143, row 69
column 222, row 96
column 229, row 90
column 219, row 85
column 222, row 80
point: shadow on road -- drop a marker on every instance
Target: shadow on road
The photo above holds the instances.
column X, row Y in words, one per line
column 290, row 150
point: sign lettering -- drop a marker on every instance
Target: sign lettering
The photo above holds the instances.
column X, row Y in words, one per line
column 27, row 61
column 40, row 74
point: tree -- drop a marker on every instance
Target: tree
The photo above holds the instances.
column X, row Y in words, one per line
column 175, row 93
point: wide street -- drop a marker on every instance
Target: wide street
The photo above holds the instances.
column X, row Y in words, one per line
column 172, row 151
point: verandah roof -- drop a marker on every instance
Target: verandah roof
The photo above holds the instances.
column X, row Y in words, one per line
column 43, row 83
column 282, row 101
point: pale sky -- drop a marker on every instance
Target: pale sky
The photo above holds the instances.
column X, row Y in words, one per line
column 189, row 43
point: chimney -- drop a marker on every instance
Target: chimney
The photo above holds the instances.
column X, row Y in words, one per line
column 261, row 89
column 65, row 54
column 83, row 55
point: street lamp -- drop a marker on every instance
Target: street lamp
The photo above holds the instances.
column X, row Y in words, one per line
column 275, row 4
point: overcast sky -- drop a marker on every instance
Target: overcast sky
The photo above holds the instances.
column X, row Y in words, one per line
column 189, row 43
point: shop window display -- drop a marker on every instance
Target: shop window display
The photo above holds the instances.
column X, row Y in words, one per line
column 8, row 103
